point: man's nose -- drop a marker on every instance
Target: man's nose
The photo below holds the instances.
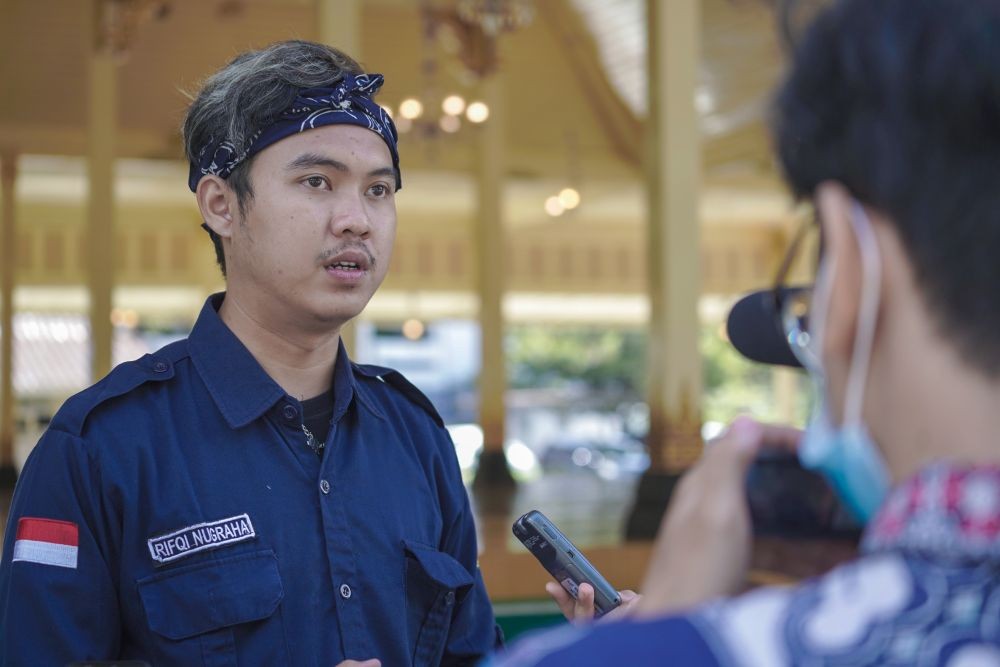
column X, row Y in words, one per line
column 350, row 217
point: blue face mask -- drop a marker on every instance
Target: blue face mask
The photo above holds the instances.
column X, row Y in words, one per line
column 846, row 455
column 850, row 461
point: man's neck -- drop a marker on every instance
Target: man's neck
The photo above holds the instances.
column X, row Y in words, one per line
column 932, row 404
column 300, row 362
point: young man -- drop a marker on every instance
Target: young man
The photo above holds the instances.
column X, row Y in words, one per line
column 889, row 123
column 248, row 495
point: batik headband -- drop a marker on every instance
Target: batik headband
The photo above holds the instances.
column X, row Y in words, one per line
column 348, row 103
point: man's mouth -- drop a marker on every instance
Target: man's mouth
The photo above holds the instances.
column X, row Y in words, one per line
column 353, row 261
column 345, row 266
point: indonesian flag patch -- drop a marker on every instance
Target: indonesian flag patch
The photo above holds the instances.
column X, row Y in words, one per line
column 47, row 541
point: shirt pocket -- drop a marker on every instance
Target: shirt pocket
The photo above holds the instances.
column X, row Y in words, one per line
column 435, row 583
column 202, row 610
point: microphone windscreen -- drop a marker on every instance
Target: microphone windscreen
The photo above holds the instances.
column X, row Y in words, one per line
column 754, row 331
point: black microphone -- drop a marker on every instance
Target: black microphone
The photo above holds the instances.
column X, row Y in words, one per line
column 754, row 330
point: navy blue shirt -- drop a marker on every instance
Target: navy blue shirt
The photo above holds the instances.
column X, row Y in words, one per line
column 173, row 512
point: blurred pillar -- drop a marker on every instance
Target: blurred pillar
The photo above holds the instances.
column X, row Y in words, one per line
column 101, row 129
column 673, row 170
column 339, row 24
column 492, row 472
column 8, row 267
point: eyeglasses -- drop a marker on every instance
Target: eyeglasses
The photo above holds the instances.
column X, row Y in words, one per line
column 792, row 305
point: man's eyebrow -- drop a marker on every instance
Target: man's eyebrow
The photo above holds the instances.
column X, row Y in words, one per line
column 307, row 160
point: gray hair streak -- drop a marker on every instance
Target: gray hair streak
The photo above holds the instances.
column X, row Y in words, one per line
column 253, row 89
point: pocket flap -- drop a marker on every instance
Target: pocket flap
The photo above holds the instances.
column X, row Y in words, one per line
column 213, row 594
column 439, row 566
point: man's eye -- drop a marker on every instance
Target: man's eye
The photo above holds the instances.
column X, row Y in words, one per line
column 315, row 181
column 379, row 190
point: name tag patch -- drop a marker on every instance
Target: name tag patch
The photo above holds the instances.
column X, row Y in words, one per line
column 201, row 537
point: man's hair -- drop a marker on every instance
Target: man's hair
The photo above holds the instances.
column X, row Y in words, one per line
column 899, row 100
column 250, row 93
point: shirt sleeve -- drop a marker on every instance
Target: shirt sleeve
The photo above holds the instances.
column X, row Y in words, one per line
column 474, row 633
column 673, row 640
column 58, row 600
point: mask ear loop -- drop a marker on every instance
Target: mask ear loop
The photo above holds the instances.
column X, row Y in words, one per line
column 864, row 340
column 817, row 316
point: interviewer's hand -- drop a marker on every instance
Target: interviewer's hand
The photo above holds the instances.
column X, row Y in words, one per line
column 703, row 547
column 581, row 609
column 364, row 663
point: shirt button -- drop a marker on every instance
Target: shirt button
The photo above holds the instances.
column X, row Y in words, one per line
column 324, row 486
column 289, row 411
column 449, row 598
column 160, row 367
column 345, row 591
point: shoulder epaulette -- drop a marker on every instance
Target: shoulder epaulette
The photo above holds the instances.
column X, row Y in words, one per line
column 122, row 379
column 395, row 379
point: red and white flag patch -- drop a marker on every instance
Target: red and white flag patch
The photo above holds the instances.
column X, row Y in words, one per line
column 47, row 541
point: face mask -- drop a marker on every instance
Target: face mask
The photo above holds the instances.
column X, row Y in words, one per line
column 849, row 460
column 847, row 456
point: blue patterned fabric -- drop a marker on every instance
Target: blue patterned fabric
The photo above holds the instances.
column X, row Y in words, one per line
column 349, row 102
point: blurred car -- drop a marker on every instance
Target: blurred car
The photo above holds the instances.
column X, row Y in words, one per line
column 608, row 459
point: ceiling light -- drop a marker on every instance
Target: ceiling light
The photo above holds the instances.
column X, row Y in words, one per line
column 569, row 198
column 477, row 112
column 450, row 124
column 453, row 105
column 554, row 207
column 411, row 108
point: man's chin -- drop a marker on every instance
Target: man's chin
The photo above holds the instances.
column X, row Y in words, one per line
column 334, row 318
column 332, row 311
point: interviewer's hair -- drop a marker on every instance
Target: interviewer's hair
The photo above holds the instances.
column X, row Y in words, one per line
column 899, row 100
column 249, row 93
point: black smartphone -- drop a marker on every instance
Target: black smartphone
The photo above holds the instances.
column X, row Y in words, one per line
column 564, row 561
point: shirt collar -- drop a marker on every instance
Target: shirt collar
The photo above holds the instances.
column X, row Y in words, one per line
column 946, row 510
column 240, row 387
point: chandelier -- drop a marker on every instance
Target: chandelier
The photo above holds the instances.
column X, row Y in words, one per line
column 434, row 112
column 496, row 16
column 468, row 31
column 414, row 114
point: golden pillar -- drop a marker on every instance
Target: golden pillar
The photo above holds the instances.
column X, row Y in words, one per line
column 8, row 268
column 490, row 260
column 102, row 111
column 340, row 25
column 673, row 173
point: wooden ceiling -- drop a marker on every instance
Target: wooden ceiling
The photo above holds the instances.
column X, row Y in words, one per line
column 573, row 77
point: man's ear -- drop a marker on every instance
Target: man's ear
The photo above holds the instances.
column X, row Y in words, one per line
column 843, row 274
column 218, row 205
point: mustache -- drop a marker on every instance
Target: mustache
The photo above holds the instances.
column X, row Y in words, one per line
column 326, row 255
